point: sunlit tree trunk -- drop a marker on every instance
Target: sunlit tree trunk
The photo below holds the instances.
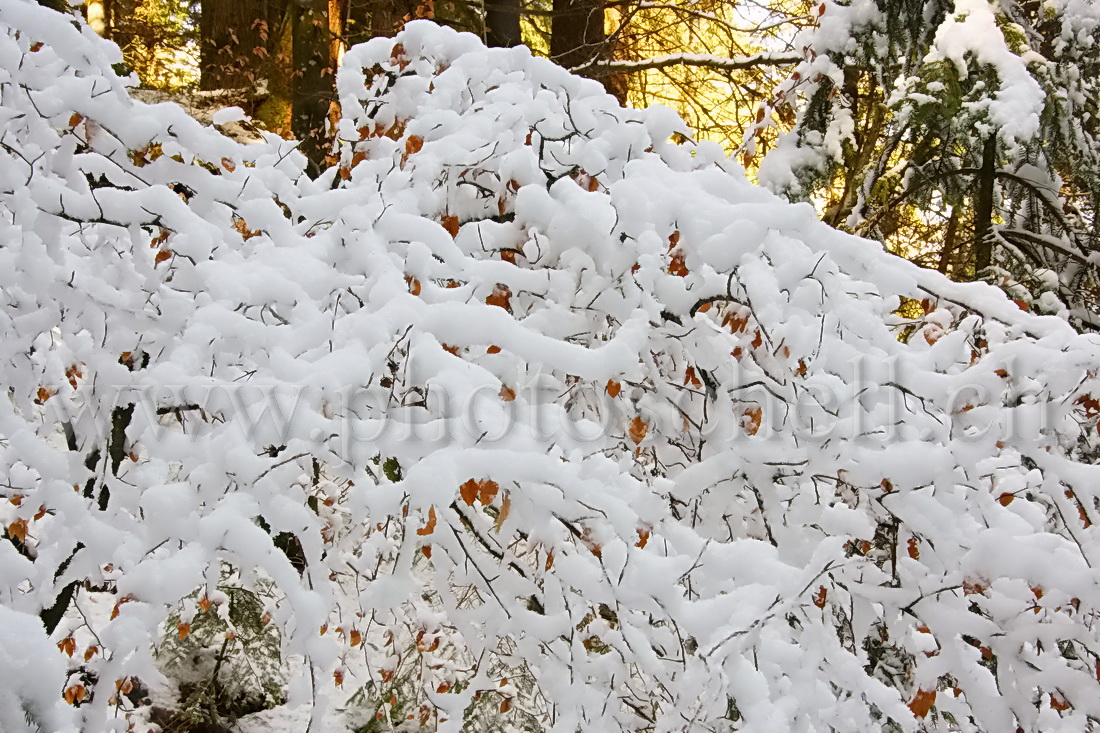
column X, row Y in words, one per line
column 97, row 17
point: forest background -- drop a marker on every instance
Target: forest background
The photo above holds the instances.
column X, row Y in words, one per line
column 962, row 135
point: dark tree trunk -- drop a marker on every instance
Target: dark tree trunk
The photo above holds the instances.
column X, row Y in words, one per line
column 949, row 240
column 387, row 17
column 236, row 40
column 577, row 32
column 314, row 78
column 578, row 36
column 502, row 23
column 983, row 207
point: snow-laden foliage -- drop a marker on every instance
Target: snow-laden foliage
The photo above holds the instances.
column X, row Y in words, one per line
column 521, row 417
column 902, row 105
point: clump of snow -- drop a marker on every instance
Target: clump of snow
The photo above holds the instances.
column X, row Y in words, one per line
column 33, row 677
column 520, row 410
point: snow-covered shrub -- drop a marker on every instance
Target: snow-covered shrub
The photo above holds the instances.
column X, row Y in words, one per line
column 519, row 417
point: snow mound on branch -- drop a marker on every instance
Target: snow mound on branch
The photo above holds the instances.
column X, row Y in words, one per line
column 542, row 420
column 30, row 697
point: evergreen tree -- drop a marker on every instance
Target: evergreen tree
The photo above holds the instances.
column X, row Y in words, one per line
column 968, row 124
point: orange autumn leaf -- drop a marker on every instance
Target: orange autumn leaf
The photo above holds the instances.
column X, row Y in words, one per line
column 492, row 350
column 75, row 694
column 18, row 530
column 1005, row 499
column 914, row 549
column 613, row 388
column 450, row 223
column 974, row 586
column 344, row 173
column 501, row 297
column 757, row 340
column 505, row 509
column 508, row 256
column 426, row 551
column 90, row 652
column 204, row 603
column 356, row 637
column 487, row 491
column 338, row 677
column 16, row 499
column 638, row 430
column 428, row 528
column 677, row 266
column 507, row 393
column 183, row 629
column 67, row 646
column 922, row 703
column 549, row 560
column 819, row 597
column 751, row 420
column 229, row 165
column 690, row 378
column 643, row 538
column 468, row 492
column 358, row 158
column 162, row 255
column 1059, row 703
column 414, row 144
column 75, row 119
column 505, row 704
column 44, row 393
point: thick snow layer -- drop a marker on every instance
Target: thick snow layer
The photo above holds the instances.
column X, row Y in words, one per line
column 521, row 412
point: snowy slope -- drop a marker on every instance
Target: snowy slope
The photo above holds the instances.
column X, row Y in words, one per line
column 573, row 427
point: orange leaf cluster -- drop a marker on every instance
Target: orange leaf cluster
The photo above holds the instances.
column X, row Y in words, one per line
column 751, row 420
column 67, row 646
column 75, row 694
column 483, row 490
column 638, row 430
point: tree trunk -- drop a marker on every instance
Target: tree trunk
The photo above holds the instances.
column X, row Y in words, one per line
column 236, row 40
column 502, row 23
column 389, row 16
column 97, row 18
column 949, row 240
column 577, row 32
column 983, row 207
column 578, row 35
column 314, row 79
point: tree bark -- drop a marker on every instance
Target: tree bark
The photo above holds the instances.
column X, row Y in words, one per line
column 236, row 41
column 577, row 33
column 983, row 207
column 97, row 18
column 502, row 27
column 314, row 79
